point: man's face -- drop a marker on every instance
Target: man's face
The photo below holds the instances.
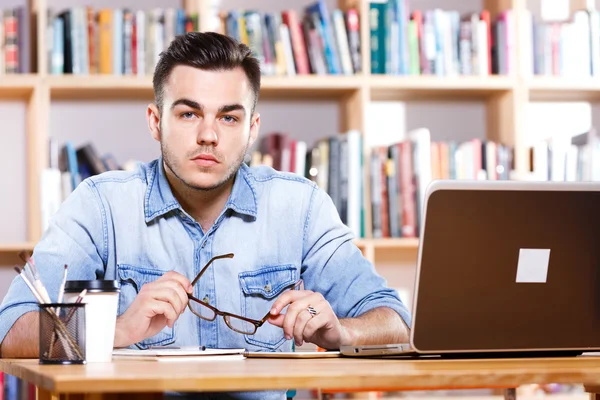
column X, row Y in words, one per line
column 206, row 125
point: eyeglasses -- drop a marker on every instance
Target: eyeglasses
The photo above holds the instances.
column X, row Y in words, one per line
column 238, row 323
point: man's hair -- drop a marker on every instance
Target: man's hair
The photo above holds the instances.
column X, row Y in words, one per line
column 208, row 51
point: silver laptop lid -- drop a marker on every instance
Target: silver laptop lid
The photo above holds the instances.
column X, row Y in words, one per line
column 508, row 266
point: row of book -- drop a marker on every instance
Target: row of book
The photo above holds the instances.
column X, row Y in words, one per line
column 335, row 163
column 398, row 178
column 118, row 41
column 128, row 42
column 316, row 41
column 68, row 166
column 438, row 42
column 313, row 41
column 400, row 172
column 13, row 388
column 566, row 159
column 15, row 40
column 563, row 48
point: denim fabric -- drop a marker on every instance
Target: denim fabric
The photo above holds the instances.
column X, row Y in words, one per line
column 128, row 226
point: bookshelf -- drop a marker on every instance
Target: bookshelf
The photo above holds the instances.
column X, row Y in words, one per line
column 544, row 88
column 504, row 96
column 16, row 247
column 312, row 86
column 17, row 86
column 409, row 87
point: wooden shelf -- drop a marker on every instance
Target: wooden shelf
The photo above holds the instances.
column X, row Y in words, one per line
column 99, row 86
column 17, row 85
column 315, row 86
column 396, row 243
column 16, row 247
column 300, row 86
column 554, row 88
column 110, row 86
column 310, row 86
column 385, row 87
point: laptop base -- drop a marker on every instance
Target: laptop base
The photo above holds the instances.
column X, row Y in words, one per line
column 513, row 354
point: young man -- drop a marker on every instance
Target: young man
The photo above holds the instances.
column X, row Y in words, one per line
column 154, row 229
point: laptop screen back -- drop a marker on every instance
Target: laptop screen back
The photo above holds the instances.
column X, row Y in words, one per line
column 509, row 270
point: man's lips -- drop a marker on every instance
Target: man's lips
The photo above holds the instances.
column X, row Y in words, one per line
column 205, row 160
column 207, row 157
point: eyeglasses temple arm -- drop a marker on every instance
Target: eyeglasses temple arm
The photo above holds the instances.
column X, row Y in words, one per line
column 229, row 255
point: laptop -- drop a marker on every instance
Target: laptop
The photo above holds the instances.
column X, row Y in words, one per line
column 505, row 268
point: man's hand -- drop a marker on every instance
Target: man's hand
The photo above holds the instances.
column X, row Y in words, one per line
column 158, row 304
column 324, row 329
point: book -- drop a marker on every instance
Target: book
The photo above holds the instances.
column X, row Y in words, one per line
column 292, row 354
column 185, row 353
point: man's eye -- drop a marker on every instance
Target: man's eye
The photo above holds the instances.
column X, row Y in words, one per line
column 229, row 119
column 187, row 115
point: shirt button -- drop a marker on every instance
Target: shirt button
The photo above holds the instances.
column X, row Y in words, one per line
column 203, row 244
column 206, row 299
column 268, row 288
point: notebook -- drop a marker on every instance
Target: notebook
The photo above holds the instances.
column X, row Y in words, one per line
column 292, row 354
column 192, row 353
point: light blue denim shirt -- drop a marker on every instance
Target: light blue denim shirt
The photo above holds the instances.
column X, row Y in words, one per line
column 128, row 226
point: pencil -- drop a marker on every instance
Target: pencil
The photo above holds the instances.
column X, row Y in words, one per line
column 29, row 285
column 61, row 290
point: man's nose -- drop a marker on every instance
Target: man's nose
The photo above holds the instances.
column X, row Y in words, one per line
column 207, row 135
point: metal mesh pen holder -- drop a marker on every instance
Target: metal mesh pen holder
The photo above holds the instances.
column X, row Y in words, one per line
column 62, row 333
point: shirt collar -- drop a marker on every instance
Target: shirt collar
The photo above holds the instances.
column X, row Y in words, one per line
column 243, row 195
column 159, row 198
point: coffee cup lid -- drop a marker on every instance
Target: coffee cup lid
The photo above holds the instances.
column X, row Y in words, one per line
column 92, row 286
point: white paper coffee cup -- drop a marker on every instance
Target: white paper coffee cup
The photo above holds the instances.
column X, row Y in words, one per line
column 102, row 301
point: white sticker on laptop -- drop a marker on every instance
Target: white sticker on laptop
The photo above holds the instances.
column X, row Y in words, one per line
column 533, row 265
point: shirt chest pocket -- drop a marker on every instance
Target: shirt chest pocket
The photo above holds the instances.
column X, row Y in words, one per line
column 132, row 278
column 260, row 289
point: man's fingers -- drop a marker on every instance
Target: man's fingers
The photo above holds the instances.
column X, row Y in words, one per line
column 170, row 295
column 314, row 324
column 296, row 308
column 277, row 320
column 176, row 289
column 301, row 320
column 181, row 292
column 292, row 314
column 323, row 319
column 288, row 297
column 164, row 308
column 176, row 276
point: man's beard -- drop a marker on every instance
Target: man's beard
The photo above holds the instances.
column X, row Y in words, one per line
column 171, row 164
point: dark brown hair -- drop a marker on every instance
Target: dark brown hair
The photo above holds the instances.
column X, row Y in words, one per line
column 209, row 51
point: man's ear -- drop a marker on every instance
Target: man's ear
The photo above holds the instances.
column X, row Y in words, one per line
column 153, row 116
column 254, row 128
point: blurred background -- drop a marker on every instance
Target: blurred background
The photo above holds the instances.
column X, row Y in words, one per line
column 352, row 92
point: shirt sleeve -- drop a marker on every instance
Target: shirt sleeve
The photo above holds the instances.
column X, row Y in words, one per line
column 334, row 266
column 76, row 237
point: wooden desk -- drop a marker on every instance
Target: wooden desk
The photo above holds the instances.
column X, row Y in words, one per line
column 107, row 380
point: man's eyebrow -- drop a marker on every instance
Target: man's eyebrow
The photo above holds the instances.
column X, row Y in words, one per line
column 231, row 107
column 187, row 102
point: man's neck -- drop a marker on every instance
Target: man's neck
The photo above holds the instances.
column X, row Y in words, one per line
column 203, row 205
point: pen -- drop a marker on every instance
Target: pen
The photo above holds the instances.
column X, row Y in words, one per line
column 63, row 334
column 61, row 290
column 37, row 283
column 37, row 296
column 77, row 301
